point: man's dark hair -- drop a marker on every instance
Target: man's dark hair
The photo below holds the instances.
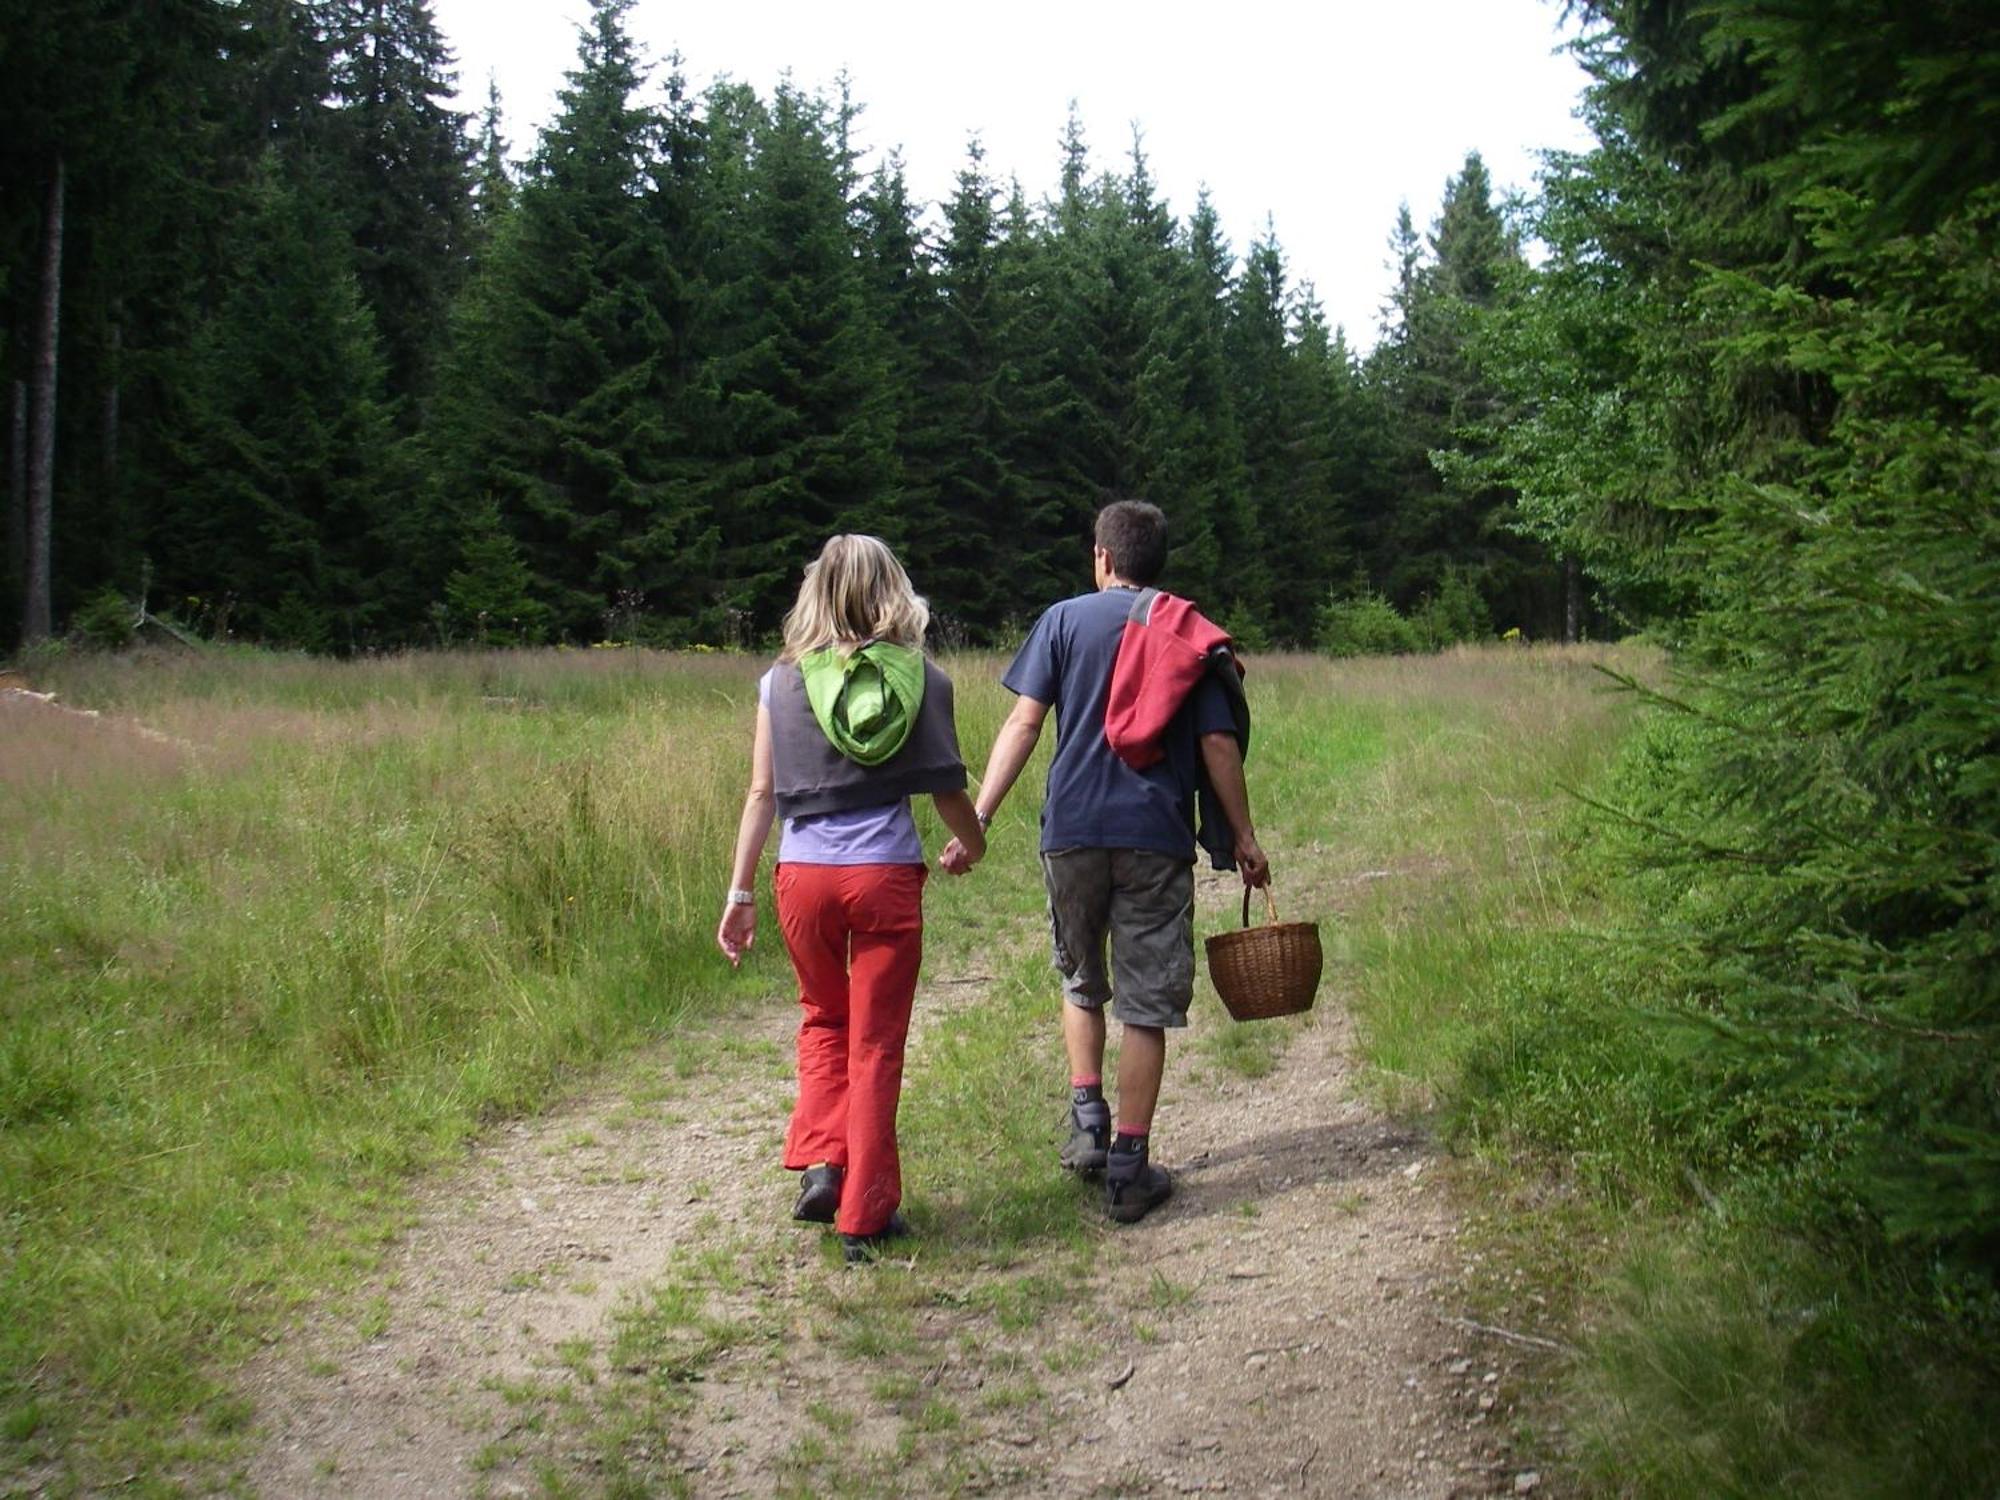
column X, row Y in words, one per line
column 1134, row 532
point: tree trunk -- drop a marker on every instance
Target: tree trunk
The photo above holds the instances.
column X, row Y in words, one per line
column 107, row 453
column 17, row 489
column 1572, row 601
column 42, row 418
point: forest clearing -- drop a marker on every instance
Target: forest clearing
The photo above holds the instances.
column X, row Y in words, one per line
column 383, row 1120
column 380, row 1118
column 396, row 521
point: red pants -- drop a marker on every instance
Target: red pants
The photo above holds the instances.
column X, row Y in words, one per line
column 856, row 936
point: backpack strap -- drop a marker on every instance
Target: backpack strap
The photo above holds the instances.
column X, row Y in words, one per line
column 1141, row 612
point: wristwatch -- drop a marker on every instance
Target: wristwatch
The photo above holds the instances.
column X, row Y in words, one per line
column 742, row 898
column 985, row 819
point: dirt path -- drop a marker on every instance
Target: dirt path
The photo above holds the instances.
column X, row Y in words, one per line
column 1284, row 1326
column 523, row 1252
column 1312, row 1355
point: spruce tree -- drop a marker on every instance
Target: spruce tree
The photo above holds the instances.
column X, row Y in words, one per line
column 1189, row 451
column 107, row 147
column 1582, row 364
column 493, row 182
column 489, row 598
column 284, row 433
column 808, row 422
column 902, row 305
column 1260, row 378
column 962, row 421
column 1760, row 363
column 406, row 160
column 556, row 403
column 1447, row 514
column 1832, row 464
column 1322, row 481
column 1070, row 339
column 1043, row 531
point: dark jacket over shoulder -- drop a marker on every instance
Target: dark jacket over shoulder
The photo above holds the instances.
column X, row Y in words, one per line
column 1213, row 832
column 811, row 777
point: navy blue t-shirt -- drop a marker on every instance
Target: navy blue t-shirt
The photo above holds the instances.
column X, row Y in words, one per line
column 1095, row 800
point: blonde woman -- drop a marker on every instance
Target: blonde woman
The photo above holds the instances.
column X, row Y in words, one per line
column 852, row 721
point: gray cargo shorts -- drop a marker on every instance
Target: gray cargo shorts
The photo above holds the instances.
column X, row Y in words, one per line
column 1142, row 901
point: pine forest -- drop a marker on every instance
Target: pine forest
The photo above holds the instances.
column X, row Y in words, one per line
column 299, row 356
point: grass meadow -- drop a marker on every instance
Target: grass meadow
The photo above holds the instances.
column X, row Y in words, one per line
column 283, row 934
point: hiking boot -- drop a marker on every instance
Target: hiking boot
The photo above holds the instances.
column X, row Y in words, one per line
column 1133, row 1186
column 819, row 1194
column 859, row 1249
column 1089, row 1137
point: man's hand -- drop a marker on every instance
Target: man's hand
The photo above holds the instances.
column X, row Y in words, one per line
column 956, row 858
column 1251, row 861
column 737, row 932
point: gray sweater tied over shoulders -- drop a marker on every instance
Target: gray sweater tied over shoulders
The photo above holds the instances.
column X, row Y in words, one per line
column 811, row 777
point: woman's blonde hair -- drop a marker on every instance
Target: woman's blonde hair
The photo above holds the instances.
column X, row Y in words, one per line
column 854, row 591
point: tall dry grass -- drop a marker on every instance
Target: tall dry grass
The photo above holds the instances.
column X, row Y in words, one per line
column 337, row 916
column 281, row 931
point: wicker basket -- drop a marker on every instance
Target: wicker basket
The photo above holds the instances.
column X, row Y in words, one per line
column 1266, row 971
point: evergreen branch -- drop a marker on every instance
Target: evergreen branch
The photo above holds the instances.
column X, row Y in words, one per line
column 1673, row 835
column 1898, row 1028
column 1658, row 699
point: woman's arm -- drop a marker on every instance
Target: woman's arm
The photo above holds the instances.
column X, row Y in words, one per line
column 739, row 921
column 957, row 811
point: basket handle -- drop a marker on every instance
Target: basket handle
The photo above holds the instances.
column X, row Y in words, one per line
column 1269, row 901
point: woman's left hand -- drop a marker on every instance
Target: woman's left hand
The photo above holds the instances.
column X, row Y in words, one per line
column 737, row 932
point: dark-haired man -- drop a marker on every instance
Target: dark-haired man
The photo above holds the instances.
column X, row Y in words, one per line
column 1118, row 849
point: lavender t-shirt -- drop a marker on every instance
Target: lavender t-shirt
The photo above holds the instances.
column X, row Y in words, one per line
column 883, row 835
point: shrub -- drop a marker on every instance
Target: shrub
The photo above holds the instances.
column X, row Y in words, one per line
column 107, row 620
column 489, row 599
column 1455, row 613
column 1364, row 624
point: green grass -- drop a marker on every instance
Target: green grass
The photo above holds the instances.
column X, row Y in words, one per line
column 255, row 979
column 1250, row 1051
column 1729, row 1361
column 1010, row 1270
column 1726, row 1344
column 260, row 974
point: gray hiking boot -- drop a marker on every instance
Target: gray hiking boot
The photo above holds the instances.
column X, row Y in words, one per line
column 1089, row 1137
column 1133, row 1186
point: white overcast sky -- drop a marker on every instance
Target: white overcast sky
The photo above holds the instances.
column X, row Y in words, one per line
column 1322, row 116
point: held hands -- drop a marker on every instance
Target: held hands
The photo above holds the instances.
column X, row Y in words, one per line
column 737, row 932
column 968, row 825
column 956, row 858
column 1251, row 860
